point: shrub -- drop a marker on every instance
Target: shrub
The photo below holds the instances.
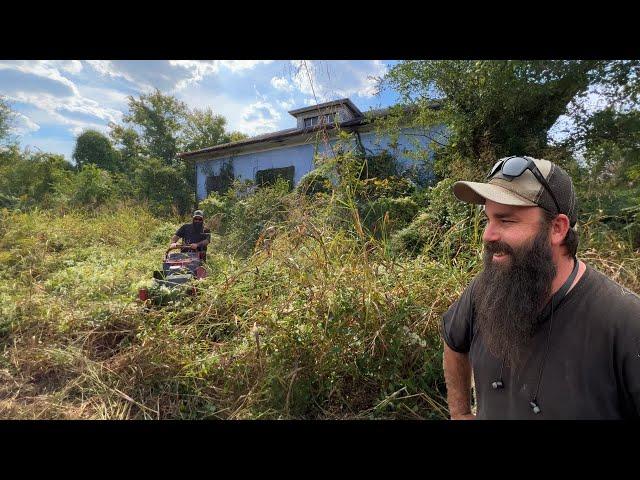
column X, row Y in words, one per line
column 314, row 182
column 394, row 187
column 89, row 188
column 382, row 165
column 390, row 213
column 445, row 228
column 246, row 211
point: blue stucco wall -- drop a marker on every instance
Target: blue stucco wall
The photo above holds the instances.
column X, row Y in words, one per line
column 301, row 156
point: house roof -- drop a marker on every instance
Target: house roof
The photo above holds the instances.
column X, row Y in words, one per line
column 343, row 101
column 281, row 135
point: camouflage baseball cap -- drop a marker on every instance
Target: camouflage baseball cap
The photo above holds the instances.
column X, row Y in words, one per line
column 198, row 213
column 525, row 189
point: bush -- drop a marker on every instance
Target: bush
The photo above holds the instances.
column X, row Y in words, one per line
column 247, row 211
column 10, row 202
column 390, row 213
column 445, row 228
column 89, row 188
column 163, row 186
column 393, row 187
column 314, row 182
column 162, row 234
column 214, row 205
column 382, row 165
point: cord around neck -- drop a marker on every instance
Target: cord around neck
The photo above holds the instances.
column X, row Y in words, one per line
column 555, row 301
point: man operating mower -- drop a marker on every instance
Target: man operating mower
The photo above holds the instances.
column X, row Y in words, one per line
column 194, row 235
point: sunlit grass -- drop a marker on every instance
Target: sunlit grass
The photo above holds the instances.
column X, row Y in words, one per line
column 321, row 321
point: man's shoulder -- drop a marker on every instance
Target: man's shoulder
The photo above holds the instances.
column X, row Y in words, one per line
column 615, row 292
column 611, row 301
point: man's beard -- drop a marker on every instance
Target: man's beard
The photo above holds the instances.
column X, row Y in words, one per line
column 509, row 298
column 197, row 227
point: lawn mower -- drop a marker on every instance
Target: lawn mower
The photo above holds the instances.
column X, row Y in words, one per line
column 178, row 270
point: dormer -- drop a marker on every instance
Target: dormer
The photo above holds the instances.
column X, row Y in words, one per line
column 326, row 113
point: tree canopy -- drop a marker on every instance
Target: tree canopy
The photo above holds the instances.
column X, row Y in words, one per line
column 498, row 108
column 92, row 147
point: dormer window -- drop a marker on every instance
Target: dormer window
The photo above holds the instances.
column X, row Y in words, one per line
column 311, row 121
column 327, row 119
column 328, row 113
column 330, row 118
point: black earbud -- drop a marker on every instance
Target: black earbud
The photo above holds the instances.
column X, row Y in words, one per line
column 497, row 384
column 535, row 407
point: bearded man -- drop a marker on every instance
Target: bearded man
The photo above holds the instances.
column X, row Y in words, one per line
column 195, row 236
column 543, row 335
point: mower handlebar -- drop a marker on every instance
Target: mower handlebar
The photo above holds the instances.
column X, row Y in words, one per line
column 179, row 247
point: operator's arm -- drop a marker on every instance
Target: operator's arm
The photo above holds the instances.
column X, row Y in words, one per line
column 207, row 238
column 178, row 235
column 457, row 374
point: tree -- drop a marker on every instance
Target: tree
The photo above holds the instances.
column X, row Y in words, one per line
column 160, row 119
column 237, row 136
column 32, row 177
column 90, row 187
column 6, row 120
column 92, row 147
column 607, row 133
column 128, row 144
column 612, row 145
column 203, row 129
column 163, row 186
column 498, row 108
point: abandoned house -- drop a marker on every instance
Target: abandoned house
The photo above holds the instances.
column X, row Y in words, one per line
column 290, row 153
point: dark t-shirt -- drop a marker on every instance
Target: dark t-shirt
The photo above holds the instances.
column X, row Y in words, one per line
column 593, row 366
column 188, row 235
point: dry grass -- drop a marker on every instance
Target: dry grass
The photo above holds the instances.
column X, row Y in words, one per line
column 320, row 321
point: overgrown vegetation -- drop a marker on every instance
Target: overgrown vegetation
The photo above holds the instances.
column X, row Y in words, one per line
column 322, row 302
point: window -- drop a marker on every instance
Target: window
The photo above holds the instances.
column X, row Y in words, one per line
column 220, row 183
column 330, row 118
column 311, row 121
column 270, row 175
column 326, row 119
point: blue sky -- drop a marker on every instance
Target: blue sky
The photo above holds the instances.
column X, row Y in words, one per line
column 56, row 100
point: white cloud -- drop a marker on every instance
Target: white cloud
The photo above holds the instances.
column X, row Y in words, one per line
column 169, row 75
column 23, row 125
column 51, row 144
column 106, row 68
column 42, row 69
column 239, row 65
column 76, row 95
column 259, row 117
column 107, row 97
column 70, row 66
column 337, row 79
column 43, row 84
column 287, row 104
column 281, row 83
column 197, row 69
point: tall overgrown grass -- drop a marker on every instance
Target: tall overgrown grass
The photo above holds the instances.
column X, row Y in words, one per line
column 309, row 310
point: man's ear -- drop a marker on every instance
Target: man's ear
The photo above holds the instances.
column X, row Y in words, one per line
column 559, row 228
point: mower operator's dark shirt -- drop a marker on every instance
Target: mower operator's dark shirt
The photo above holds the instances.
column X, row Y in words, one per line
column 593, row 366
column 189, row 236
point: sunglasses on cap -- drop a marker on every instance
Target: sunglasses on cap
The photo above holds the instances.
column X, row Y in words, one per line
column 513, row 167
